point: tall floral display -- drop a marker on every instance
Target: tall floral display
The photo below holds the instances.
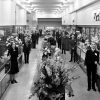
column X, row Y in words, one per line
column 53, row 77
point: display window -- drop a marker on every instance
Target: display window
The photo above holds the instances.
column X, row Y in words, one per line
column 8, row 35
column 5, row 32
column 97, row 30
column 87, row 32
column 92, row 32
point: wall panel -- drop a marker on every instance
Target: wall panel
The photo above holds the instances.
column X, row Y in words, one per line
column 7, row 13
column 7, row 10
column 86, row 16
column 49, row 22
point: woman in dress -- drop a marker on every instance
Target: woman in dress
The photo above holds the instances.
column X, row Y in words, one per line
column 13, row 52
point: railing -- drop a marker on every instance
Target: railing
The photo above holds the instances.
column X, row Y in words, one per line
column 4, row 79
column 81, row 54
column 81, row 58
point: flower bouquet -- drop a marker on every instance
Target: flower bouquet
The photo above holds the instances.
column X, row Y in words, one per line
column 16, row 40
column 53, row 81
column 13, row 39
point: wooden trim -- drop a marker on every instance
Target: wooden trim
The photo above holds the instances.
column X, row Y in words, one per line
column 97, row 26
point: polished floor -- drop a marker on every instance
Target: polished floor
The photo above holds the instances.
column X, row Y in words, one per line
column 21, row 90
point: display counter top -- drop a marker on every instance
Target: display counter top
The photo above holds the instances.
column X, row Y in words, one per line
column 81, row 52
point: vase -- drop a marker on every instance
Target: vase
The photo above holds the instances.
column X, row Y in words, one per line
column 56, row 97
column 53, row 97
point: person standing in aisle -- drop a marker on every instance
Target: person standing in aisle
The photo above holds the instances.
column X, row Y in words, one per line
column 53, row 33
column 13, row 53
column 63, row 43
column 59, row 40
column 26, row 50
column 33, row 40
column 40, row 32
column 91, row 61
column 67, row 41
column 57, row 35
column 37, row 36
column 73, row 49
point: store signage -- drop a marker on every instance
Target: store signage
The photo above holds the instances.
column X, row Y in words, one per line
column 97, row 15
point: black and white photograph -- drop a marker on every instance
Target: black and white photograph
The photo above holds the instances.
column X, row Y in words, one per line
column 49, row 49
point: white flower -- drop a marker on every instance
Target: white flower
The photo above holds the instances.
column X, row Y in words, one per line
column 8, row 39
column 11, row 37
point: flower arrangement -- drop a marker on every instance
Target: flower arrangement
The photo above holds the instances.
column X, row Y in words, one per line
column 14, row 39
column 53, row 80
column 53, row 76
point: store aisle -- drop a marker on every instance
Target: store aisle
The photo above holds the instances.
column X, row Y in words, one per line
column 21, row 90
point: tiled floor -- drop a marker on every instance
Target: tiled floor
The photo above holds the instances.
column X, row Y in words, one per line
column 21, row 90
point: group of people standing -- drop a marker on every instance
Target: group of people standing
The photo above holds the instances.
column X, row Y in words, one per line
column 67, row 42
column 29, row 41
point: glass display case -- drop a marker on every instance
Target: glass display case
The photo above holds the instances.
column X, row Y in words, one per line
column 7, row 31
column 89, row 34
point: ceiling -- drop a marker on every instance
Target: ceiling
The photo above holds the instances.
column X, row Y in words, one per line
column 47, row 6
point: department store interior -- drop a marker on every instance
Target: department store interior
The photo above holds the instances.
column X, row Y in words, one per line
column 49, row 26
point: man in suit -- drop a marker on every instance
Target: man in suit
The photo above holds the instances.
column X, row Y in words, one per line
column 57, row 35
column 33, row 40
column 73, row 48
column 63, row 43
column 91, row 61
column 26, row 50
column 59, row 40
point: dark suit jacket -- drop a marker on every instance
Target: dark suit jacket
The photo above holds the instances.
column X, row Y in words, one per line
column 91, row 57
column 26, row 47
column 63, row 42
column 72, row 44
column 52, row 41
column 33, row 37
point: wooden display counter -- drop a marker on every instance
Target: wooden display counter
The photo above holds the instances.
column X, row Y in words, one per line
column 4, row 74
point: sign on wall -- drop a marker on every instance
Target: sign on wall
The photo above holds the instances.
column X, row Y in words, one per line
column 96, row 15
